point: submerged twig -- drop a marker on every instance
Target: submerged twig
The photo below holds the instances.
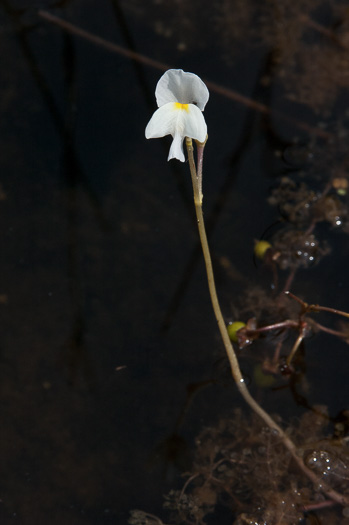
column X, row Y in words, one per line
column 224, row 91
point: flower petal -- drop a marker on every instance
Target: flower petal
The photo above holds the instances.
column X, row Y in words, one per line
column 178, row 86
column 176, row 149
column 194, row 125
column 170, row 119
column 180, row 121
column 163, row 122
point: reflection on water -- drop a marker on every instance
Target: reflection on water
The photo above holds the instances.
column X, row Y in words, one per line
column 105, row 313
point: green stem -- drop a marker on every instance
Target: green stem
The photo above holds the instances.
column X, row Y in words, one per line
column 234, row 364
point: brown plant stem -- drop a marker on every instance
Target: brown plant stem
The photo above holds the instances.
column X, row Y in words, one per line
column 234, row 364
column 288, row 323
column 337, row 333
column 295, row 347
column 316, row 307
column 321, row 29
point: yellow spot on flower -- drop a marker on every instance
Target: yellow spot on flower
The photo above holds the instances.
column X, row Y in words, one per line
column 178, row 105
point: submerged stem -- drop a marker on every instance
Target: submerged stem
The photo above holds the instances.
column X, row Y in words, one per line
column 234, row 364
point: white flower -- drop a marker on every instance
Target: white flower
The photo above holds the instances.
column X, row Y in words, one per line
column 181, row 98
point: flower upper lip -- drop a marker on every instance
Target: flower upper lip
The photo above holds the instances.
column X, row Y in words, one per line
column 178, row 86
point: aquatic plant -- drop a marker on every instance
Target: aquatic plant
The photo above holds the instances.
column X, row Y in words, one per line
column 245, row 466
column 241, row 464
column 308, row 207
column 178, row 123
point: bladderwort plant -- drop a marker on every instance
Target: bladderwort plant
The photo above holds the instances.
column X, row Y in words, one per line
column 181, row 99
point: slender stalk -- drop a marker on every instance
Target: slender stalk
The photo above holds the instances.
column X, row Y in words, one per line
column 288, row 323
column 234, row 364
column 323, row 328
column 316, row 307
column 295, row 348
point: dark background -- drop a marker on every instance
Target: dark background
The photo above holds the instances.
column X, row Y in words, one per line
column 98, row 236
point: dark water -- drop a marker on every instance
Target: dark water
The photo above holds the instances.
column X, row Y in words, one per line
column 100, row 338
